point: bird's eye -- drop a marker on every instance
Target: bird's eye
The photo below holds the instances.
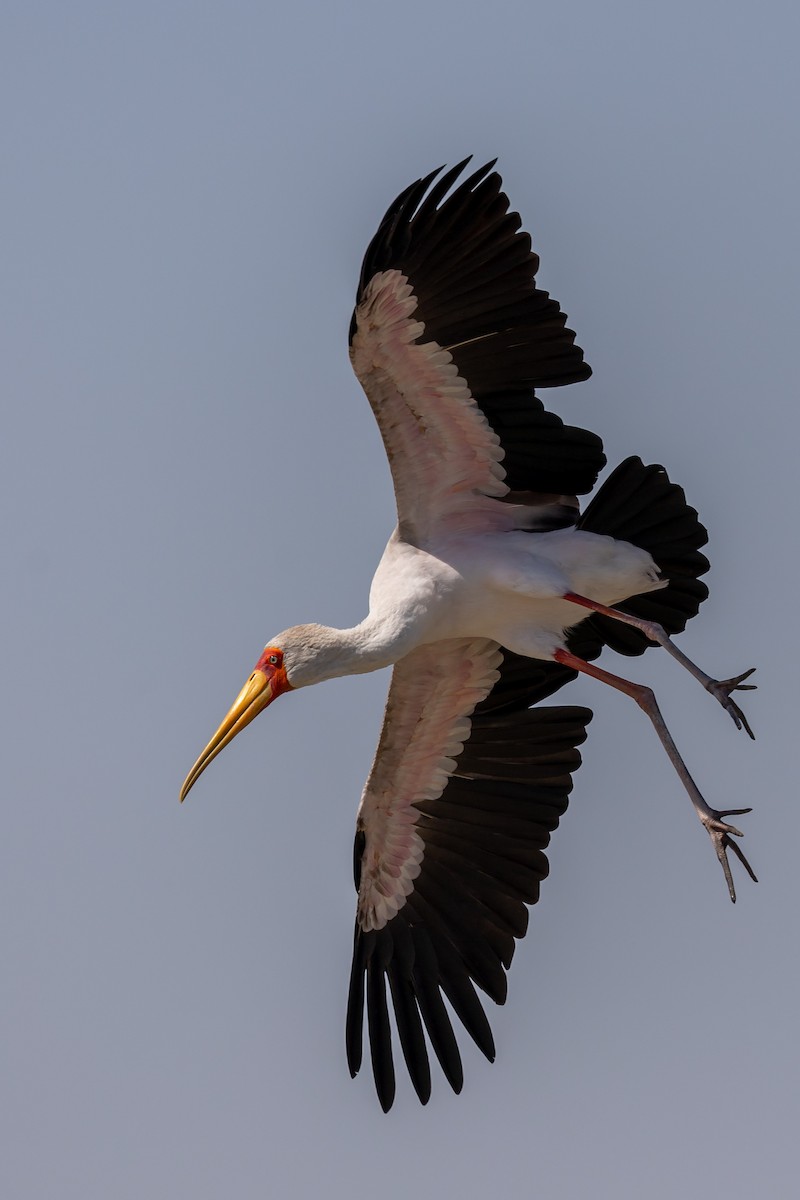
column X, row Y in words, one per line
column 273, row 658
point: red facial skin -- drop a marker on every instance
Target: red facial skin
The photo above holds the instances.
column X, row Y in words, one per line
column 271, row 664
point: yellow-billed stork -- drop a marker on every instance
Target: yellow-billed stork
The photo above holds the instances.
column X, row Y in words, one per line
column 493, row 591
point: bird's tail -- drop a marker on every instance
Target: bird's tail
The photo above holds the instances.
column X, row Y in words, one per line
column 639, row 504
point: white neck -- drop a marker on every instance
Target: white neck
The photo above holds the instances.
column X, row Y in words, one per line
column 314, row 653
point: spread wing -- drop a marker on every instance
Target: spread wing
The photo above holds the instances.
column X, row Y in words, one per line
column 467, row 785
column 449, row 337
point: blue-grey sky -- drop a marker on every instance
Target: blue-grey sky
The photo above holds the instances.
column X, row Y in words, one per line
column 188, row 466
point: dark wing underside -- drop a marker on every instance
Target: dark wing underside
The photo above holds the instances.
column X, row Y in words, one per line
column 472, row 272
column 484, row 839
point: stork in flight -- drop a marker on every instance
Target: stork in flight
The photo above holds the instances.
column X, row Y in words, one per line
column 492, row 593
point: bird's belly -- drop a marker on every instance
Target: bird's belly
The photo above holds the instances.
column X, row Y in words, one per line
column 534, row 626
column 511, row 588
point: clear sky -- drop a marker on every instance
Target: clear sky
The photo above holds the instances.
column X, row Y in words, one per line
column 187, row 466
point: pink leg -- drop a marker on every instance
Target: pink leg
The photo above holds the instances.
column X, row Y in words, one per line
column 656, row 633
column 719, row 832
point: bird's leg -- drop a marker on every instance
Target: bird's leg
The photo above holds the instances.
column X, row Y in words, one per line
column 721, row 689
column 719, row 832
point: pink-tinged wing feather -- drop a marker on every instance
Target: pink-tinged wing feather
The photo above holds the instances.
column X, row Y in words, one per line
column 467, row 786
column 449, row 337
column 444, row 456
column 434, row 691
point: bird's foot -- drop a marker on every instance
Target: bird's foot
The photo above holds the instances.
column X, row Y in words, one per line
column 722, row 690
column 720, row 834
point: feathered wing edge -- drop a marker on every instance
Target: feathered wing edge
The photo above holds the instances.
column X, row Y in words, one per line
column 472, row 271
column 484, row 841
